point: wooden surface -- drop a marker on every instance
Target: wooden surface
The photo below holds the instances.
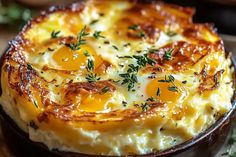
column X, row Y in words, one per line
column 5, row 37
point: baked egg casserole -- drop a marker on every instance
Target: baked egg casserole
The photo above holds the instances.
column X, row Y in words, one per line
column 116, row 77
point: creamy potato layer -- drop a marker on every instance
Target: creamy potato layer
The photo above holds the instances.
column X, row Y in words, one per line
column 116, row 77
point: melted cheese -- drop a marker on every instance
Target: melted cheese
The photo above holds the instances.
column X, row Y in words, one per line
column 187, row 88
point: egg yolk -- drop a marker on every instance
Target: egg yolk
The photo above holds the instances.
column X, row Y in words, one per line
column 67, row 59
column 163, row 90
column 96, row 102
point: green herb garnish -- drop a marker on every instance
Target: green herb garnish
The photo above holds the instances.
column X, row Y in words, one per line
column 137, row 29
column 124, row 56
column 134, row 27
column 104, row 90
column 158, row 92
column 97, row 35
column 144, row 107
column 55, row 34
column 173, row 89
column 29, row 66
column 92, row 77
column 132, row 68
column 90, row 65
column 152, row 50
column 171, row 80
column 93, row 22
column 130, row 79
column 143, row 60
column 171, row 33
column 168, row 54
column 80, row 40
column 35, row 104
column 115, row 47
column 86, row 53
column 151, row 99
column 141, row 34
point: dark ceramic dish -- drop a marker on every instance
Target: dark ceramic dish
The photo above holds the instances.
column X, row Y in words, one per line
column 206, row 144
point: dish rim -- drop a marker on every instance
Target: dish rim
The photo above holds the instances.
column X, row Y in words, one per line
column 226, row 118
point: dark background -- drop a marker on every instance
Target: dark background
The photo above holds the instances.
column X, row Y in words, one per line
column 222, row 14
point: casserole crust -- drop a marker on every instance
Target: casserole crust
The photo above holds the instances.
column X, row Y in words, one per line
column 116, row 78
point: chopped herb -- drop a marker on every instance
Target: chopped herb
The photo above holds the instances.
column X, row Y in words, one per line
column 92, row 77
column 106, row 42
column 171, row 33
column 94, row 21
column 139, row 31
column 158, row 91
column 143, row 60
column 151, row 99
column 168, row 54
column 132, row 68
column 127, row 44
column 50, row 49
column 134, row 27
column 29, row 66
column 129, row 79
column 152, row 50
column 144, row 107
column 80, row 40
column 141, row 34
column 173, row 89
column 171, row 80
column 124, row 56
column 55, row 34
column 86, row 53
column 104, row 90
column 33, row 125
column 115, row 47
column 121, row 65
column 35, row 104
column 97, row 35
column 124, row 103
column 90, row 65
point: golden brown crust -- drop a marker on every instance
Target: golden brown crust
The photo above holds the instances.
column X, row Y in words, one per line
column 23, row 79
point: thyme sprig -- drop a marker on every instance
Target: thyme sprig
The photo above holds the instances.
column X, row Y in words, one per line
column 90, row 65
column 171, row 80
column 97, row 35
column 130, row 77
column 80, row 40
column 90, row 77
column 105, row 90
column 146, row 105
column 139, row 32
column 55, row 34
column 168, row 54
